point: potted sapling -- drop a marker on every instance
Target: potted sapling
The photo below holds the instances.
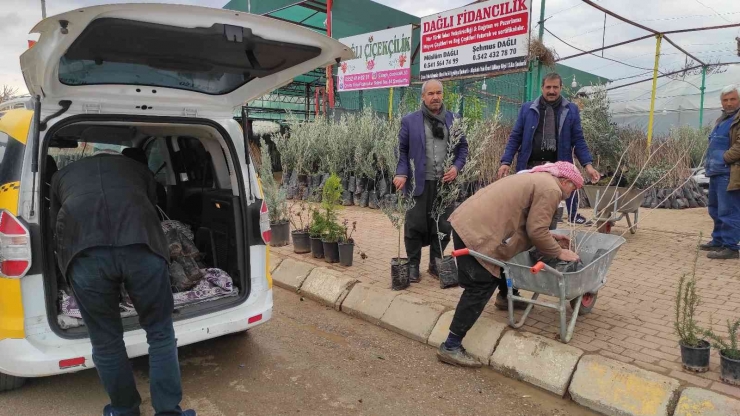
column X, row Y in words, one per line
column 729, row 355
column 331, row 196
column 444, row 202
column 316, row 232
column 300, row 219
column 347, row 244
column 276, row 200
column 395, row 209
column 694, row 351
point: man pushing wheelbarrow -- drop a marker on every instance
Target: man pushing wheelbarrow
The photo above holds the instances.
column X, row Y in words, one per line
column 500, row 221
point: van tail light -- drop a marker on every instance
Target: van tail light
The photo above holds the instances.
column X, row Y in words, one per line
column 265, row 223
column 15, row 246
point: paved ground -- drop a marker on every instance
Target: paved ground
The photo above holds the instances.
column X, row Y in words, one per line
column 308, row 360
column 633, row 317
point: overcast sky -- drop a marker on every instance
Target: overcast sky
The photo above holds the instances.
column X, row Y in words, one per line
column 571, row 20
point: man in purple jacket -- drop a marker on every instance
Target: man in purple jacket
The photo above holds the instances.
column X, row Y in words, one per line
column 423, row 141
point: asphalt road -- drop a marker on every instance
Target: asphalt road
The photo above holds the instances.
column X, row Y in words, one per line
column 309, row 360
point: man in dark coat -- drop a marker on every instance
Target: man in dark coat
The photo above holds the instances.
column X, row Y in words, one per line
column 108, row 234
column 548, row 130
column 423, row 141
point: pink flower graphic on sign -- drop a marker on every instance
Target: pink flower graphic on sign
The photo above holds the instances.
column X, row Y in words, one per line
column 401, row 60
column 370, row 39
column 370, row 64
column 344, row 67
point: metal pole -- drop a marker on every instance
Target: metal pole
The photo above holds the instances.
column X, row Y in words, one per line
column 361, row 99
column 539, row 63
column 330, row 68
column 651, row 119
column 703, row 87
column 43, row 9
column 390, row 103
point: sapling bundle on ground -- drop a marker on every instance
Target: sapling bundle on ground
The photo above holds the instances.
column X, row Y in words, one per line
column 395, row 209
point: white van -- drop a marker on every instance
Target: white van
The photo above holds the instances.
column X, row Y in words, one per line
column 164, row 79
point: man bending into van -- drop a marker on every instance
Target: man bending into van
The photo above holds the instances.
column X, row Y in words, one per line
column 107, row 233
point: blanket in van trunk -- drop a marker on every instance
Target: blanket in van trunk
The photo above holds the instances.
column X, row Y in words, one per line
column 215, row 284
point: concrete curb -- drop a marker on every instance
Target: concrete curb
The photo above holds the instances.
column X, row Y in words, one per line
column 615, row 388
column 327, row 287
column 368, row 303
column 543, row 362
column 601, row 384
column 699, row 402
column 274, row 262
column 480, row 340
column 411, row 317
column 291, row 274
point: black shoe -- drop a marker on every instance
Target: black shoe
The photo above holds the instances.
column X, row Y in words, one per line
column 414, row 276
column 709, row 247
column 581, row 220
column 458, row 357
column 433, row 269
column 502, row 303
column 724, row 254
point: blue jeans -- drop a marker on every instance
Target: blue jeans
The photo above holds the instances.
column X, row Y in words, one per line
column 724, row 208
column 96, row 275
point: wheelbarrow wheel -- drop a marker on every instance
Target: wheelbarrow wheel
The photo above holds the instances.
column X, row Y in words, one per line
column 604, row 227
column 587, row 303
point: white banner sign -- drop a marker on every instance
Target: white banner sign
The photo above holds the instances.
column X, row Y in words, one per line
column 477, row 39
column 383, row 60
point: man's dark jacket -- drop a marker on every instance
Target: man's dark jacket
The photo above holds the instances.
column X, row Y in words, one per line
column 104, row 201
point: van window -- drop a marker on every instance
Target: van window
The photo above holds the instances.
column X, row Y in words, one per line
column 11, row 159
column 64, row 157
column 194, row 163
column 155, row 160
column 128, row 52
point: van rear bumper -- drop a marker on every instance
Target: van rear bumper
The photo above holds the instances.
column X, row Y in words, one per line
column 40, row 354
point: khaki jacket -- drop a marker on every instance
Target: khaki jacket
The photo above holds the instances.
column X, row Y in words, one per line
column 510, row 216
column 732, row 156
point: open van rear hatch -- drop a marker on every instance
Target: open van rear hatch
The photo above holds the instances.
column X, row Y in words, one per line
column 210, row 59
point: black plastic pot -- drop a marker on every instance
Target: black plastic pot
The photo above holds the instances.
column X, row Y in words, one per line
column 316, row 180
column 695, row 359
column 399, row 273
column 301, row 242
column 729, row 370
column 364, row 199
column 361, row 185
column 303, row 180
column 317, row 248
column 331, row 251
column 347, row 198
column 447, row 269
column 346, row 254
column 280, row 234
column 352, row 184
column 373, row 201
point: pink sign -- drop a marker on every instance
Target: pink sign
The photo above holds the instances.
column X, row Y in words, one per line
column 382, row 60
column 380, row 79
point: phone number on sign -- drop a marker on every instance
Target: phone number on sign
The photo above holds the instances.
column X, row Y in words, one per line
column 494, row 54
column 440, row 63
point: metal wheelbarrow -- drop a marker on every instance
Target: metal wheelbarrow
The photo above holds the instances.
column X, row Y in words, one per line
column 611, row 204
column 579, row 288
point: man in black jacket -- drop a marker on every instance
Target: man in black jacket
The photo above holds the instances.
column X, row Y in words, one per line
column 107, row 233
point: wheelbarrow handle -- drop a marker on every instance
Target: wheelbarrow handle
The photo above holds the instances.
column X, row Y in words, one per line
column 461, row 252
column 540, row 266
column 537, row 267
